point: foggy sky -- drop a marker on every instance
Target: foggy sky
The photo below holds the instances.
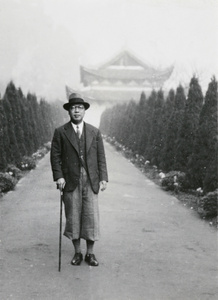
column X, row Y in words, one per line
column 43, row 42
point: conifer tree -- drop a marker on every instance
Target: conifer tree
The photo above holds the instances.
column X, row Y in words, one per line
column 118, row 122
column 12, row 150
column 166, row 114
column 13, row 97
column 141, row 130
column 39, row 119
column 105, row 121
column 172, row 131
column 48, row 125
column 142, row 101
column 210, row 182
column 129, row 125
column 202, row 167
column 58, row 114
column 3, row 138
column 189, row 127
column 36, row 122
column 111, row 119
column 24, row 121
column 155, row 138
column 24, row 124
column 147, row 123
column 30, row 127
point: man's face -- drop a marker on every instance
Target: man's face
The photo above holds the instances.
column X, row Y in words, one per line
column 77, row 113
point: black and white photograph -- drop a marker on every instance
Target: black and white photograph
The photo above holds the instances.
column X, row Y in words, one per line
column 108, row 149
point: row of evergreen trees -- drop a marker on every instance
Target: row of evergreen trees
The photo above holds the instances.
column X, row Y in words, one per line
column 25, row 124
column 176, row 133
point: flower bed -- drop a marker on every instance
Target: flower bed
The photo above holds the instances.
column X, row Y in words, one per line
column 13, row 174
column 174, row 182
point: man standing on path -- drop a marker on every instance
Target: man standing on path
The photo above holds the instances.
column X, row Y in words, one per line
column 79, row 168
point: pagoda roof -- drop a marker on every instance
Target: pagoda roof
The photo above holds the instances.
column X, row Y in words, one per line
column 125, row 66
column 126, row 59
column 128, row 74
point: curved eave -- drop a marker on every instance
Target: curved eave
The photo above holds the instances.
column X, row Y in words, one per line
column 154, row 75
column 162, row 76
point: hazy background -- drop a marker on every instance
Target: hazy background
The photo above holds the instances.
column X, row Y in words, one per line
column 43, row 42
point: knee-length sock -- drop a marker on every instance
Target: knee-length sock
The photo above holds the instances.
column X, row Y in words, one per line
column 76, row 244
column 90, row 246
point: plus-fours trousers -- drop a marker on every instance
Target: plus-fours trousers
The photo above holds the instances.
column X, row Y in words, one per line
column 82, row 211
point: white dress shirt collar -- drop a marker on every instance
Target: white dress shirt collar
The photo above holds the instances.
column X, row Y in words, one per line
column 81, row 125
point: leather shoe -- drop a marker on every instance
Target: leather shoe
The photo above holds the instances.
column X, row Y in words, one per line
column 91, row 260
column 76, row 261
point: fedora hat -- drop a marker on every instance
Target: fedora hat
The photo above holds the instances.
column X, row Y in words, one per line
column 75, row 98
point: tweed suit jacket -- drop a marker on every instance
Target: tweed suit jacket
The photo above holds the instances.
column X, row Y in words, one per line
column 65, row 161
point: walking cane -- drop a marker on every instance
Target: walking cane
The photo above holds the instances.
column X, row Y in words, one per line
column 60, row 233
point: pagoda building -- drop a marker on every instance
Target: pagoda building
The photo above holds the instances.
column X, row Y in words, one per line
column 121, row 79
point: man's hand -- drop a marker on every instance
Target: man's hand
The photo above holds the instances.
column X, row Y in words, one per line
column 103, row 185
column 60, row 183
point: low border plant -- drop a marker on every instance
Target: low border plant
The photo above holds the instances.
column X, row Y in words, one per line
column 14, row 171
column 27, row 163
column 175, row 182
column 207, row 205
column 7, row 182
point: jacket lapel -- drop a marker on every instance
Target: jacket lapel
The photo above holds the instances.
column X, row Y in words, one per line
column 89, row 136
column 71, row 135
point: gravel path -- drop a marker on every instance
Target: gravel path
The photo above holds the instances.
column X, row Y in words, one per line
column 151, row 247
